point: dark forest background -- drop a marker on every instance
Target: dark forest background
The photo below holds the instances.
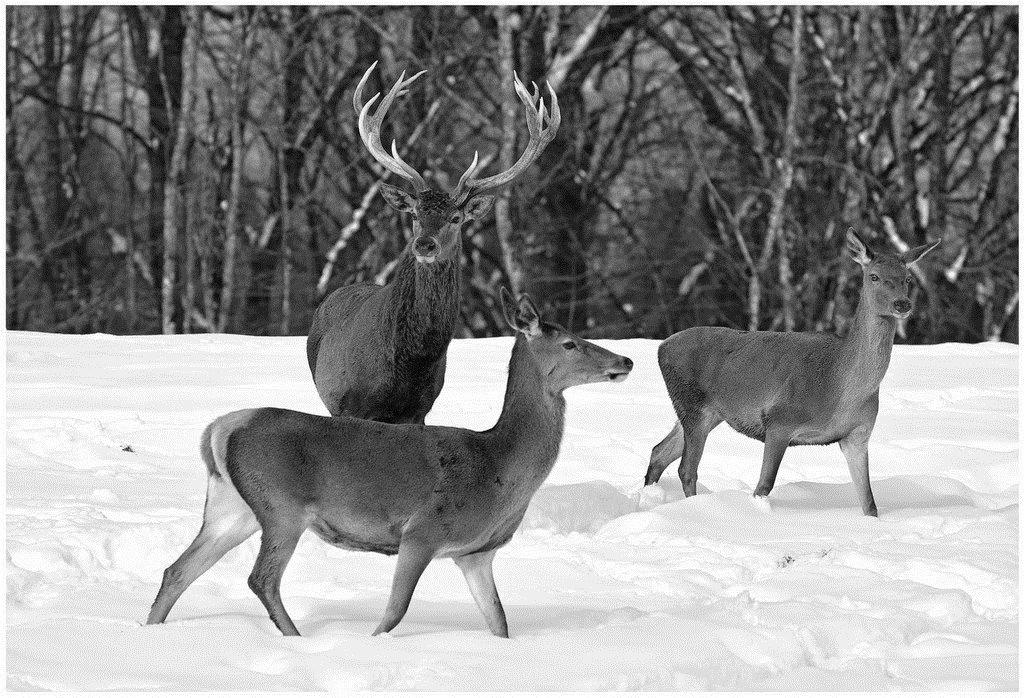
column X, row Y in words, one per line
column 191, row 169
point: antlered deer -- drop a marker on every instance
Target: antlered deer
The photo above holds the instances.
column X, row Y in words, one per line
column 419, row 491
column 788, row 388
column 378, row 352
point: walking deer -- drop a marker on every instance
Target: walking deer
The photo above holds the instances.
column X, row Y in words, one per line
column 378, row 352
column 788, row 389
column 420, row 492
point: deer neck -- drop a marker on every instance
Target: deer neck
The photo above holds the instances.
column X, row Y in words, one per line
column 425, row 305
column 532, row 418
column 867, row 348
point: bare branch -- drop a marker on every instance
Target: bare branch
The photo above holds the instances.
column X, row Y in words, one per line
column 563, row 62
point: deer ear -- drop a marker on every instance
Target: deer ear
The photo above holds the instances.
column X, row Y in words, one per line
column 398, row 199
column 911, row 256
column 478, row 206
column 522, row 316
column 857, row 248
column 508, row 307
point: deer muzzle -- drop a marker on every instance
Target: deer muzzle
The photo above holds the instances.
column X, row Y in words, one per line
column 902, row 307
column 425, row 248
column 617, row 374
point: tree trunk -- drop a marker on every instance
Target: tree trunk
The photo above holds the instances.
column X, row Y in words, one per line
column 131, row 170
column 159, row 65
column 14, row 175
column 172, row 203
column 506, row 157
column 938, row 175
column 190, row 228
column 784, row 180
column 55, row 206
column 286, row 261
column 238, row 96
column 82, row 21
column 291, row 158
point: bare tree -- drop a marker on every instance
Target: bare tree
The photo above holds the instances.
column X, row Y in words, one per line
column 708, row 161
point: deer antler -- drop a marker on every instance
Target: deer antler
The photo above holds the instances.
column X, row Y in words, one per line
column 536, row 115
column 369, row 127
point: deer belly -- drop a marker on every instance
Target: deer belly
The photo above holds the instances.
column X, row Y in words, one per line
column 814, row 438
column 752, row 427
column 490, row 540
column 354, row 535
column 821, row 429
column 494, row 534
column 828, row 431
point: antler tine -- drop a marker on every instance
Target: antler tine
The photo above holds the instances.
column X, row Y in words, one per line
column 406, row 166
column 369, row 127
column 535, row 98
column 534, row 116
column 540, row 136
column 357, row 96
column 469, row 173
column 555, row 117
column 399, row 88
column 370, row 135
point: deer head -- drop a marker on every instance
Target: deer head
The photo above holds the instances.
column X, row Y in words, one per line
column 563, row 358
column 438, row 215
column 886, row 283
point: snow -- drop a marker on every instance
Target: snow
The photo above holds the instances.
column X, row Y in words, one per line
column 607, row 585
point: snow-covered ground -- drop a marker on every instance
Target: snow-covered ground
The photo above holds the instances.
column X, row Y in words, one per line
column 606, row 585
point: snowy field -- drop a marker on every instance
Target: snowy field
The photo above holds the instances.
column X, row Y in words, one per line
column 607, row 585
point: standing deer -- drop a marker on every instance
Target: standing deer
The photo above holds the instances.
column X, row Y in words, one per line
column 788, row 389
column 419, row 491
column 378, row 352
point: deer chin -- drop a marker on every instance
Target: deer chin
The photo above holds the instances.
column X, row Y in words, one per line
column 425, row 259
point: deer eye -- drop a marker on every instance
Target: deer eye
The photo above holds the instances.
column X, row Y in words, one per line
column 456, row 218
column 874, row 277
column 569, row 344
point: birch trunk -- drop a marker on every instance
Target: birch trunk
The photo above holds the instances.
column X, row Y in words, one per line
column 784, row 181
column 502, row 206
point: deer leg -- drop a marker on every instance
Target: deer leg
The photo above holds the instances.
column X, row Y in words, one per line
column 227, row 521
column 855, row 449
column 413, row 558
column 479, row 574
column 276, row 548
column 695, row 435
column 775, row 445
column 662, row 455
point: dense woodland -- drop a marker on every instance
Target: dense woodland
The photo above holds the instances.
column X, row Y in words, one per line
column 198, row 169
